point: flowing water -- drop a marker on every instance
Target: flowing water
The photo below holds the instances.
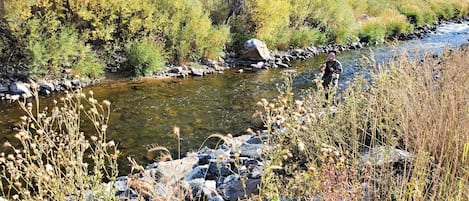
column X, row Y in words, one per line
column 145, row 112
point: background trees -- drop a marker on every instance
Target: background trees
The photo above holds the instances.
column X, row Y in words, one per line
column 86, row 35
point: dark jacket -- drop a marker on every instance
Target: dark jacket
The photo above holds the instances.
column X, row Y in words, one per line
column 331, row 68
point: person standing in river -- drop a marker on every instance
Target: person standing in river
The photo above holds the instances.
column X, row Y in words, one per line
column 331, row 70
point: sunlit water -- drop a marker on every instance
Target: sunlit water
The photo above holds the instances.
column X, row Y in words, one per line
column 145, row 112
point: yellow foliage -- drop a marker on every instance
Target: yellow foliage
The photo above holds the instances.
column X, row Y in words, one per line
column 270, row 17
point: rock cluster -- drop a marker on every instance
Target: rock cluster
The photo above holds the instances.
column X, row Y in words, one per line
column 229, row 172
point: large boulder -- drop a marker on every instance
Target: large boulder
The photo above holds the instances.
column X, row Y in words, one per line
column 255, row 50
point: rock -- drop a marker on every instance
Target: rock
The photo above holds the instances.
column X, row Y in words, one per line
column 258, row 65
column 122, row 189
column 356, row 45
column 217, row 198
column 254, row 169
column 236, row 142
column 121, row 184
column 45, row 87
column 176, row 70
column 4, row 88
column 197, row 186
column 252, row 150
column 298, row 52
column 76, row 83
column 220, row 168
column 313, row 50
column 282, row 65
column 175, row 170
column 255, row 50
column 209, row 63
column 202, row 188
column 380, row 156
column 197, row 72
column 114, row 70
column 197, row 173
column 257, row 139
column 20, row 88
column 210, row 188
column 232, row 189
column 205, row 154
column 67, row 84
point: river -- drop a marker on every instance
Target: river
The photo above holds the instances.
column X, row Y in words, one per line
column 145, row 112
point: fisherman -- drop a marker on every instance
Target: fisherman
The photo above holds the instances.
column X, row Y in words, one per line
column 331, row 70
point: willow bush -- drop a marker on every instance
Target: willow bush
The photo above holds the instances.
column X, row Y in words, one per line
column 305, row 37
column 92, row 33
column 144, row 58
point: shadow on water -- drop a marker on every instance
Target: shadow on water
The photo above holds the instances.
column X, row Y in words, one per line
column 145, row 112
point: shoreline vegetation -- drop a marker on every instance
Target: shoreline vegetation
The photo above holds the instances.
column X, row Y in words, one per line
column 68, row 44
column 398, row 133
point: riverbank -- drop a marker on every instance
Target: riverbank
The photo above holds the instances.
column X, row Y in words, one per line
column 17, row 84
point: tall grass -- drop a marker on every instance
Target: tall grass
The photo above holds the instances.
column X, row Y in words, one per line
column 417, row 106
column 55, row 159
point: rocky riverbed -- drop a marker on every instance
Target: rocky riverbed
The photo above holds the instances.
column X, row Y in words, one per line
column 230, row 172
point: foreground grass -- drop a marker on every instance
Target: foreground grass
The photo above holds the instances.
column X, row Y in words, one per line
column 418, row 106
column 54, row 159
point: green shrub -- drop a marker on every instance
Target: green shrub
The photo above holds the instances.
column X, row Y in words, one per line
column 219, row 10
column 271, row 19
column 48, row 56
column 338, row 19
column 418, row 12
column 375, row 7
column 88, row 67
column 216, row 41
column 305, row 36
column 372, row 32
column 394, row 22
column 143, row 58
column 446, row 9
column 300, row 13
column 189, row 32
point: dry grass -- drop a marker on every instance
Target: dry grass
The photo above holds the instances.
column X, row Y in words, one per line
column 55, row 160
column 418, row 106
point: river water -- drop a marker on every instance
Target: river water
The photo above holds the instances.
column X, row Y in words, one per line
column 145, row 112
